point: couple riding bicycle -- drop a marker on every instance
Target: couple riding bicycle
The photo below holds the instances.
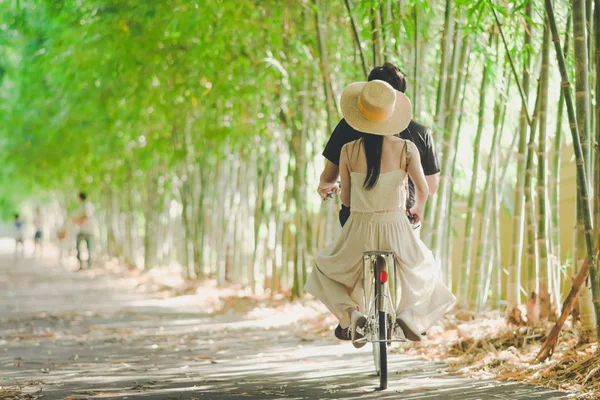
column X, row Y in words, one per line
column 374, row 165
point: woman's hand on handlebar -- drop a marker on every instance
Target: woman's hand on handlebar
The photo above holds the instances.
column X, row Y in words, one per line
column 327, row 190
column 414, row 214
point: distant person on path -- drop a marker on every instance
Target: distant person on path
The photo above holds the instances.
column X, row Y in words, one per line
column 38, row 224
column 372, row 170
column 419, row 134
column 18, row 227
column 63, row 245
column 86, row 221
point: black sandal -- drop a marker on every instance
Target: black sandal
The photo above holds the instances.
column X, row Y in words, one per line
column 342, row 333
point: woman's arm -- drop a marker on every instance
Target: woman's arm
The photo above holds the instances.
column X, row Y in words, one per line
column 345, row 176
column 415, row 171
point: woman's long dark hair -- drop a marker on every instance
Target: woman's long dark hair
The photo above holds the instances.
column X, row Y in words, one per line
column 373, row 145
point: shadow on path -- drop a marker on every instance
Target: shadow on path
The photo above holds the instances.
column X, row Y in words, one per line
column 79, row 336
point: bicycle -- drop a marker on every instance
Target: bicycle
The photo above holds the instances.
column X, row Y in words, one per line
column 381, row 294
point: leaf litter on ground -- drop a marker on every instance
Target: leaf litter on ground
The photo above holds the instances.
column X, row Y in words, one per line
column 484, row 346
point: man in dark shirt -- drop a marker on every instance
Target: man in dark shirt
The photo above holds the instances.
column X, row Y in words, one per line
column 344, row 133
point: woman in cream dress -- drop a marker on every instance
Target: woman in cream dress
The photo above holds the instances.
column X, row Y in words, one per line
column 372, row 171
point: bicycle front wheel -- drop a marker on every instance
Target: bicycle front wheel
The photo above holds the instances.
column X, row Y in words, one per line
column 382, row 345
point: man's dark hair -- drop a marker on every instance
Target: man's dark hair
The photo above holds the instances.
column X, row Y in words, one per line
column 82, row 196
column 16, row 216
column 391, row 74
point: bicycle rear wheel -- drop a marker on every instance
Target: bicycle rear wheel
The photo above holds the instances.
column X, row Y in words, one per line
column 376, row 348
column 382, row 349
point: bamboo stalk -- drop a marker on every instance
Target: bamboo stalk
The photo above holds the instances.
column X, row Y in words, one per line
column 554, row 181
column 463, row 288
column 484, row 283
column 597, row 130
column 443, row 74
column 398, row 42
column 416, row 77
column 549, row 344
column 386, row 18
column 453, row 66
column 356, row 37
column 532, row 249
column 478, row 276
column 522, row 90
column 590, row 26
column 581, row 79
column 497, row 223
column 586, row 308
column 515, row 264
column 541, row 187
column 487, row 205
column 448, row 147
column 377, row 36
column 581, row 171
column 325, row 70
column 449, row 232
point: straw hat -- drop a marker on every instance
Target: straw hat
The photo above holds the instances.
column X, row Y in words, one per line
column 375, row 107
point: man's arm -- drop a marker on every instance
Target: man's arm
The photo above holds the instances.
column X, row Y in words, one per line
column 433, row 182
column 415, row 172
column 344, row 170
column 333, row 148
column 328, row 180
column 430, row 163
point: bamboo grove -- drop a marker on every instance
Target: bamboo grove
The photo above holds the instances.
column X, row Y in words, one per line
column 197, row 128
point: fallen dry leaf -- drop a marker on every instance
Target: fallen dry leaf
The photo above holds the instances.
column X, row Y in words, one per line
column 201, row 358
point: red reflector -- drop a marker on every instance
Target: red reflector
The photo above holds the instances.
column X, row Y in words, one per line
column 383, row 276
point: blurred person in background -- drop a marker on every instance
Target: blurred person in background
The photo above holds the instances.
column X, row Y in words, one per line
column 38, row 223
column 18, row 234
column 86, row 221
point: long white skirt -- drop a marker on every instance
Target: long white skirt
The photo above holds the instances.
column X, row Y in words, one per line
column 336, row 279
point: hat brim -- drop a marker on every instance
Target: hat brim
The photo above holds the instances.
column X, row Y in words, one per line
column 395, row 124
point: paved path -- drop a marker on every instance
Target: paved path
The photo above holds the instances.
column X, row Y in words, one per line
column 67, row 335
